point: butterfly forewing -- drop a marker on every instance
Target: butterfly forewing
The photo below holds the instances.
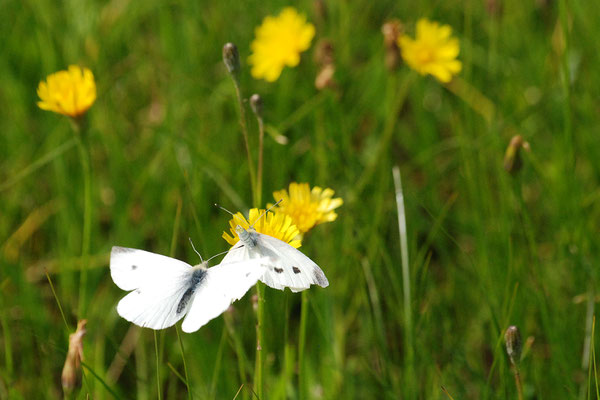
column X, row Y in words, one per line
column 158, row 284
column 299, row 271
column 287, row 266
column 133, row 268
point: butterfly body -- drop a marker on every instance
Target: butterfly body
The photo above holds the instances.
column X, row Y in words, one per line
column 163, row 290
column 286, row 266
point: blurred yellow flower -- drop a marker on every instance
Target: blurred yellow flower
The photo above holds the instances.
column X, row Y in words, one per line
column 69, row 92
column 433, row 51
column 307, row 207
column 279, row 226
column 278, row 42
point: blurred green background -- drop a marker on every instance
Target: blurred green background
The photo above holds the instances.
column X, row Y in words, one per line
column 487, row 248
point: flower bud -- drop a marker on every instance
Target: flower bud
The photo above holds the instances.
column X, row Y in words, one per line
column 512, row 156
column 256, row 104
column 512, row 337
column 391, row 31
column 325, row 78
column 72, row 365
column 231, row 58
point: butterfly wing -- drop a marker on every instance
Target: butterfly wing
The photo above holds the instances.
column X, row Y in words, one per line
column 222, row 285
column 130, row 268
column 158, row 284
column 240, row 252
column 291, row 268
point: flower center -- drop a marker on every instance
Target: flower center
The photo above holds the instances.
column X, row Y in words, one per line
column 425, row 55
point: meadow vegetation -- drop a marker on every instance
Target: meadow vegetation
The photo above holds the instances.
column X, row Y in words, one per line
column 487, row 248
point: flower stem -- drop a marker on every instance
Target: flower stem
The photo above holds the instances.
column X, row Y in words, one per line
column 84, row 157
column 258, row 368
column 518, row 383
column 157, row 366
column 301, row 345
column 261, row 135
column 244, row 127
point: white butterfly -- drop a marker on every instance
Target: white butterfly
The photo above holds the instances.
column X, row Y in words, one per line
column 165, row 289
column 287, row 266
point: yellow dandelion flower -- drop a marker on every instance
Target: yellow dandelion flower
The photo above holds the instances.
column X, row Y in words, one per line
column 277, row 225
column 433, row 51
column 278, row 42
column 70, row 92
column 307, row 207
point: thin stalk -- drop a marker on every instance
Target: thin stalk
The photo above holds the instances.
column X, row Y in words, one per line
column 286, row 335
column 259, row 180
column 594, row 360
column 244, row 127
column 239, row 350
column 8, row 355
column 588, row 343
column 157, row 366
column 518, row 383
column 566, row 87
column 301, row 344
column 397, row 97
column 187, row 378
column 51, row 156
column 258, row 368
column 217, row 367
column 84, row 157
column 57, row 302
column 408, row 319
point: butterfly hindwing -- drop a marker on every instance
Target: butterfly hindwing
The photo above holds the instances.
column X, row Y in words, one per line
column 222, row 285
column 153, row 306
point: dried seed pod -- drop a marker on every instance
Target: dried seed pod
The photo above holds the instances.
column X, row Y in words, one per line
column 512, row 337
column 71, row 369
column 231, row 58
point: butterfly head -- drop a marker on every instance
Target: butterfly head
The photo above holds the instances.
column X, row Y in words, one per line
column 248, row 237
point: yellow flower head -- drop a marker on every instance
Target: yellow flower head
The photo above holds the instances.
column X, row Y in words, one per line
column 433, row 51
column 278, row 42
column 307, row 207
column 277, row 225
column 69, row 92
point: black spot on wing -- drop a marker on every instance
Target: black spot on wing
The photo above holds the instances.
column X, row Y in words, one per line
column 134, row 267
column 320, row 277
column 296, row 270
column 278, row 270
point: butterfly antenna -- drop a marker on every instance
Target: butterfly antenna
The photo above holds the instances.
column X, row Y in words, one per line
column 192, row 243
column 266, row 211
column 217, row 255
column 224, row 209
